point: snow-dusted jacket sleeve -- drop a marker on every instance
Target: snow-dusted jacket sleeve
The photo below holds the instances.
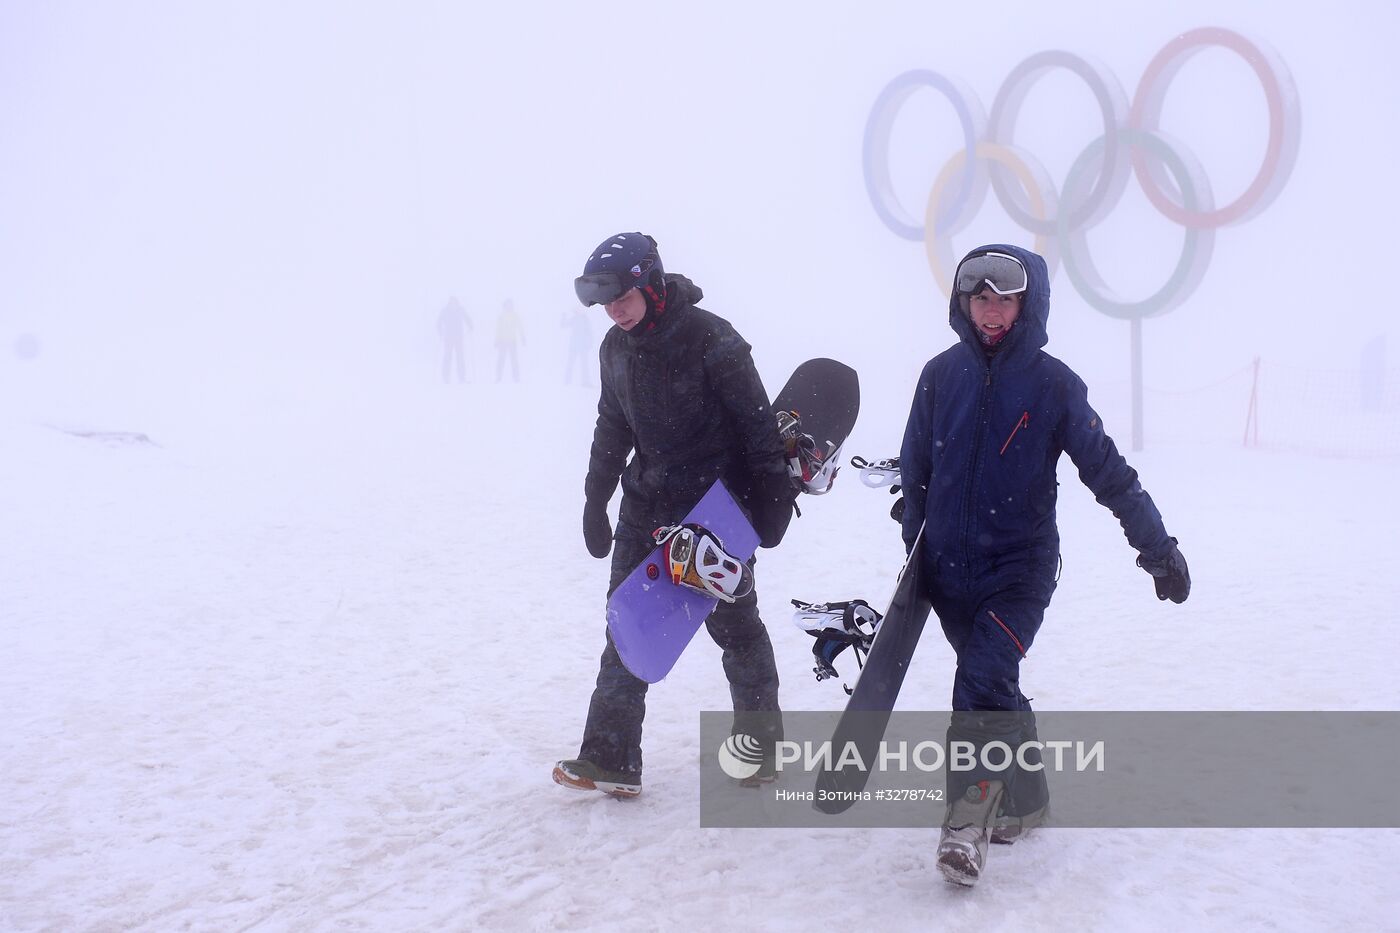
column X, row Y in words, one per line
column 1109, row 477
column 612, row 442
column 731, row 373
column 916, row 458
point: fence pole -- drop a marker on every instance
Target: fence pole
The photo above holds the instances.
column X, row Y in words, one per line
column 1251, row 418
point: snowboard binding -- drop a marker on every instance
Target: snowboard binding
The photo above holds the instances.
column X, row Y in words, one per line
column 696, row 559
column 837, row 626
column 879, row 474
column 812, row 470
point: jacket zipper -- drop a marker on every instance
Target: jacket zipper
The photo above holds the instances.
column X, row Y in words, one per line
column 1005, row 628
column 1022, row 423
column 972, row 472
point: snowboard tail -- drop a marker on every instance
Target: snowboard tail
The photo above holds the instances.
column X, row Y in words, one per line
column 651, row 618
column 872, row 700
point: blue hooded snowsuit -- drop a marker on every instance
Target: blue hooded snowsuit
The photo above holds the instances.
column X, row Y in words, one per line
column 978, row 461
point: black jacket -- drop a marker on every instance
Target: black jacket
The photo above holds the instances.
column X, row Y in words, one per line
column 686, row 397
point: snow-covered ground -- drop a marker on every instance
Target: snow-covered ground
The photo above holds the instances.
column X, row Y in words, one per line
column 307, row 665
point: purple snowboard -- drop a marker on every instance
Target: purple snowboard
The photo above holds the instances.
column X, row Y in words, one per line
column 653, row 619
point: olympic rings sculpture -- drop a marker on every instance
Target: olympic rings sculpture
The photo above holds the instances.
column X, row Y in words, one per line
column 1132, row 144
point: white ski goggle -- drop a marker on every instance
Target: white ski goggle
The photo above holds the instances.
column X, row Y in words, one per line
column 1001, row 271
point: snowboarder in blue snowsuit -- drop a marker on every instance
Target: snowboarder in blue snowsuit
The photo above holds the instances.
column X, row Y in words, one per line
column 990, row 418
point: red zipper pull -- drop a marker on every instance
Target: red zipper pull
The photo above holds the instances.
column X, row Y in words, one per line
column 1024, row 421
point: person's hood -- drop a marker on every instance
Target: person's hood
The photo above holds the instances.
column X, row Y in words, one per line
column 681, row 295
column 1029, row 333
column 681, row 291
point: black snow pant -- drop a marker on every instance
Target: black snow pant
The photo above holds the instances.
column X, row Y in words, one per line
column 612, row 737
column 991, row 633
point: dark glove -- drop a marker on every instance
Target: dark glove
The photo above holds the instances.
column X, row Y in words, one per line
column 773, row 495
column 1169, row 575
column 897, row 510
column 597, row 530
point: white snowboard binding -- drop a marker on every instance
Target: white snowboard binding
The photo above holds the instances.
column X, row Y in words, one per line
column 877, row 473
column 811, row 469
column 836, row 626
column 697, row 559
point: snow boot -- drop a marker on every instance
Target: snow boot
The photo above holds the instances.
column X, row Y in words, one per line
column 1010, row 828
column 962, row 849
column 580, row 774
column 766, row 774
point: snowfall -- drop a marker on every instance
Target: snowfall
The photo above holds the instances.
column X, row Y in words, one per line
column 287, row 659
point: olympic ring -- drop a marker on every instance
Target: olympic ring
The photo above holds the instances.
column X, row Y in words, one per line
column 1282, row 99
column 877, row 140
column 1196, row 251
column 1131, row 139
column 1034, row 180
column 1113, row 106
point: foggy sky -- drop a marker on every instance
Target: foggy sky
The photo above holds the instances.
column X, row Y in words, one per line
column 310, row 182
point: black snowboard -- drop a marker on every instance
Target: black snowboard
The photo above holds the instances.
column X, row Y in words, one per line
column 825, row 394
column 868, row 710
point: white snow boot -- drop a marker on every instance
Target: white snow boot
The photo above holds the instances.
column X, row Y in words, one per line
column 962, row 849
column 1008, row 829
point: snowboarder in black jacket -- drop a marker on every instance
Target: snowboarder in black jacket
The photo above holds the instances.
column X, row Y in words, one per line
column 681, row 395
column 991, row 416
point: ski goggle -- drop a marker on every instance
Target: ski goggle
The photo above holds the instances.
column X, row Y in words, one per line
column 601, row 288
column 1003, row 272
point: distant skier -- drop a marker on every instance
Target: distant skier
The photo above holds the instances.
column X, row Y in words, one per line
column 510, row 335
column 990, row 418
column 453, row 324
column 678, row 387
column 580, row 328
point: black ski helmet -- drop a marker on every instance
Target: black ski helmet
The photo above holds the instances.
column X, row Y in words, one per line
column 620, row 263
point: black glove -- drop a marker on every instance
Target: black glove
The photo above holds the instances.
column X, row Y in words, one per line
column 597, row 530
column 773, row 495
column 897, row 510
column 1169, row 575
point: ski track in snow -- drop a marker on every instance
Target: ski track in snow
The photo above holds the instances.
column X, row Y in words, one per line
column 309, row 669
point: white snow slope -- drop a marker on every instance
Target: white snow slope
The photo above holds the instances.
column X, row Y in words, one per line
column 307, row 666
